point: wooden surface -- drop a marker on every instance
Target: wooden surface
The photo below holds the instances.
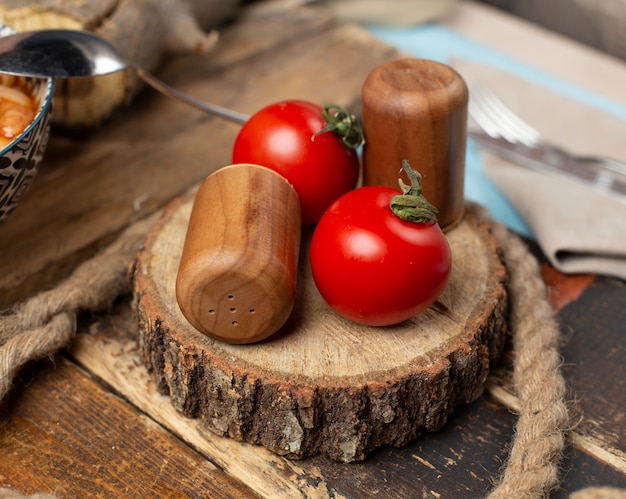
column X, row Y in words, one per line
column 90, row 422
column 323, row 384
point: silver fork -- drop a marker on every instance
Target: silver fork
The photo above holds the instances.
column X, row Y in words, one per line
column 498, row 121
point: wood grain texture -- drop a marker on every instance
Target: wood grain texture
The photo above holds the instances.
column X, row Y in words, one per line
column 68, row 436
column 416, row 110
column 236, row 280
column 108, row 348
column 323, row 384
column 462, row 458
column 595, row 362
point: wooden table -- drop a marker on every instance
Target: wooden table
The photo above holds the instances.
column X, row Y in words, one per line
column 89, row 422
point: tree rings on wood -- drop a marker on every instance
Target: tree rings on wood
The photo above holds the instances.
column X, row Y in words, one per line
column 322, row 384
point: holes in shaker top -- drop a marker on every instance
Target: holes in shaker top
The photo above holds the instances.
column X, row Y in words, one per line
column 232, row 309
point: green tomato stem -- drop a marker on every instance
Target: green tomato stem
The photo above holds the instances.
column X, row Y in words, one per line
column 345, row 125
column 411, row 205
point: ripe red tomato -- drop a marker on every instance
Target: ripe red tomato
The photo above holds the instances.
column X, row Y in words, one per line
column 373, row 267
column 282, row 137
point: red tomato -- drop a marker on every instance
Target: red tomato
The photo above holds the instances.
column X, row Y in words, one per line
column 282, row 137
column 373, row 267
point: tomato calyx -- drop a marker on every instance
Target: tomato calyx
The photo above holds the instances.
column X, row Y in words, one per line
column 343, row 124
column 411, row 205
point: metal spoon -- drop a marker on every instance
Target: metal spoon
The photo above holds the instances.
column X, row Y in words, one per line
column 65, row 53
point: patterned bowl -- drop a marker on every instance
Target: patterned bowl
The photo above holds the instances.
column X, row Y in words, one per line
column 20, row 160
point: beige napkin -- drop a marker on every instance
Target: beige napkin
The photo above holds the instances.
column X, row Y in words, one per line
column 579, row 229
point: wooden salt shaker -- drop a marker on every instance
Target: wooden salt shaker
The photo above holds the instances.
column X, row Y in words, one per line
column 416, row 110
column 236, row 280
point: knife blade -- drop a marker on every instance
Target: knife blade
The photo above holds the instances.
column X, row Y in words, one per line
column 550, row 160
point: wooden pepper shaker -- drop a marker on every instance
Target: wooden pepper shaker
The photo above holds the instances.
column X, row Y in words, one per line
column 416, row 110
column 236, row 280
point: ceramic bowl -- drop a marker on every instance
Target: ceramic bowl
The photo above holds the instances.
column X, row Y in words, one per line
column 20, row 159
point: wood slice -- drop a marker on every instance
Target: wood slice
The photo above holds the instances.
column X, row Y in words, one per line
column 323, row 384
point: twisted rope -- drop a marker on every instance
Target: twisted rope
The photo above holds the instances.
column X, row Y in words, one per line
column 46, row 322
column 533, row 465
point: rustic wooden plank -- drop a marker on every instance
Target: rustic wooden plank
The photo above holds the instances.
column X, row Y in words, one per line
column 89, row 188
column 463, row 459
column 479, row 433
column 478, row 449
column 581, row 469
column 64, row 434
column 594, row 355
column 109, row 350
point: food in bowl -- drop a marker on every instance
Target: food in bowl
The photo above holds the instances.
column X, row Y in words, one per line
column 18, row 107
column 21, row 154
